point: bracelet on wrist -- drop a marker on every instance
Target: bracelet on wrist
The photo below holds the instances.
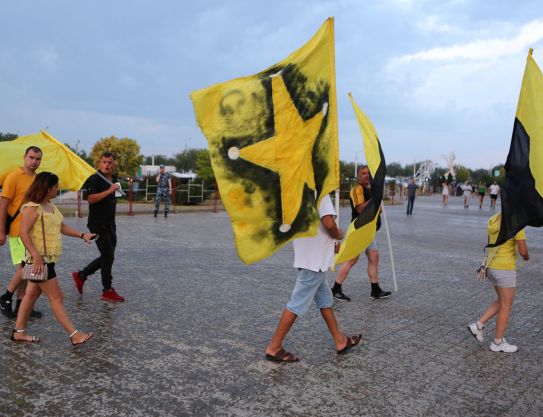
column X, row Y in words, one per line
column 82, row 234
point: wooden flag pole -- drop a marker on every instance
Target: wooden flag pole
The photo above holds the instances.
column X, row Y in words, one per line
column 390, row 249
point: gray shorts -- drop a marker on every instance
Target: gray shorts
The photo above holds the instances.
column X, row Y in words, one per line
column 372, row 246
column 503, row 278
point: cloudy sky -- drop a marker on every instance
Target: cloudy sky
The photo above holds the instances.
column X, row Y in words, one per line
column 434, row 76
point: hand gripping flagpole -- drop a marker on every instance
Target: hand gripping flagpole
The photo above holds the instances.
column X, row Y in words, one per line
column 109, row 182
column 390, row 249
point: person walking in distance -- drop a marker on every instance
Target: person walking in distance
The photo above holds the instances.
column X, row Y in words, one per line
column 14, row 188
column 360, row 196
column 445, row 193
column 411, row 195
column 494, row 191
column 164, row 189
column 102, row 207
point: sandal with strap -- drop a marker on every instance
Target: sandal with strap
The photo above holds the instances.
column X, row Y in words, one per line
column 85, row 340
column 352, row 341
column 282, row 356
column 34, row 339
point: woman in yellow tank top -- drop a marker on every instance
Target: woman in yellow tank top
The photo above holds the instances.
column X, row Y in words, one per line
column 38, row 205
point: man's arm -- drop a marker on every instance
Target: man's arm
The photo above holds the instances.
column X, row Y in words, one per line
column 4, row 203
column 331, row 227
column 95, row 198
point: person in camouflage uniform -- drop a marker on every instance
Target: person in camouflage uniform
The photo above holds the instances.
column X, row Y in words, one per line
column 164, row 189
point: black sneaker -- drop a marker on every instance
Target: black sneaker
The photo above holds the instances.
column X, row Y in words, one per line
column 5, row 307
column 340, row 296
column 34, row 313
column 377, row 295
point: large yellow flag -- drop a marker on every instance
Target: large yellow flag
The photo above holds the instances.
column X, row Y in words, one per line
column 273, row 145
column 71, row 170
column 361, row 231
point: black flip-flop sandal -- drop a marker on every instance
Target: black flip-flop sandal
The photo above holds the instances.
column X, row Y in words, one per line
column 352, row 341
column 33, row 340
column 282, row 356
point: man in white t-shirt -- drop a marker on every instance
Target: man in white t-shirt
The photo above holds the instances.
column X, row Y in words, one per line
column 312, row 256
column 494, row 191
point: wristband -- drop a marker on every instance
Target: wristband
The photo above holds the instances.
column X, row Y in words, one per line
column 82, row 234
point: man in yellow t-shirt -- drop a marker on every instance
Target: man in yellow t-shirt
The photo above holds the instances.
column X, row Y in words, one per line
column 14, row 188
column 360, row 196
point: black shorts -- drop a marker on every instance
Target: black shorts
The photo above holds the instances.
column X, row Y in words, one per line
column 50, row 272
column 482, row 194
column 494, row 196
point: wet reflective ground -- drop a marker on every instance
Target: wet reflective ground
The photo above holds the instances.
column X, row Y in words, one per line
column 190, row 338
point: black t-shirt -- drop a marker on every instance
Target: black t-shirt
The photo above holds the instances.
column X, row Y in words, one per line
column 102, row 212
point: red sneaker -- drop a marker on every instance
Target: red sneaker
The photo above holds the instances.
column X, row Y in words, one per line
column 79, row 282
column 111, row 295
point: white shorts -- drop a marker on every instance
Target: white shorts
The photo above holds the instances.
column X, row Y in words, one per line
column 503, row 278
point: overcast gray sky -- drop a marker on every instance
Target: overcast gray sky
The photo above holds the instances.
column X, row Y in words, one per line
column 434, row 76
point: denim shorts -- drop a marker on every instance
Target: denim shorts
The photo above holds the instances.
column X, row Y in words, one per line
column 310, row 285
column 503, row 278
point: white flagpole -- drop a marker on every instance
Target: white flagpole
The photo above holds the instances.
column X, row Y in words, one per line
column 337, row 206
column 390, row 249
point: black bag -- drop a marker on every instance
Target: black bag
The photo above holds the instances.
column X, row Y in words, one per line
column 10, row 219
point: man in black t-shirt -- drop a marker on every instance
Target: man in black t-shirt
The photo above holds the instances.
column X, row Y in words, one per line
column 102, row 206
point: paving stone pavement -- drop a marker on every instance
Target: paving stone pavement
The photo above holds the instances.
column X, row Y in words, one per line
column 189, row 340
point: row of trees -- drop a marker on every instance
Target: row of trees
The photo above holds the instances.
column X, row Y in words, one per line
column 197, row 160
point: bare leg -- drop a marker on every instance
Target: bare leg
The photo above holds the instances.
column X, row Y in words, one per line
column 285, row 323
column 340, row 339
column 17, row 283
column 492, row 310
column 32, row 294
column 56, row 300
column 373, row 265
column 505, row 298
column 345, row 269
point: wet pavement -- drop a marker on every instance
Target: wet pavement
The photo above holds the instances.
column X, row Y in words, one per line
column 189, row 340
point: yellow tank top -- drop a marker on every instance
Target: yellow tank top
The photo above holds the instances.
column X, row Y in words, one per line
column 52, row 223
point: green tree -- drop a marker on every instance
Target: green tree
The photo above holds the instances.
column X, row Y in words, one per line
column 126, row 151
column 462, row 173
column 4, row 137
column 186, row 160
column 204, row 169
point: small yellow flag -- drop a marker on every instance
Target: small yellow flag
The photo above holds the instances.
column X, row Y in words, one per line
column 273, row 145
column 361, row 231
column 71, row 170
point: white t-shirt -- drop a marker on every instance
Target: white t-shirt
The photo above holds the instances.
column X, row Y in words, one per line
column 494, row 189
column 316, row 253
column 467, row 189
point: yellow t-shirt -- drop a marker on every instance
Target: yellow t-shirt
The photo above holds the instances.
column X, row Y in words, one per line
column 506, row 255
column 357, row 195
column 15, row 187
column 53, row 240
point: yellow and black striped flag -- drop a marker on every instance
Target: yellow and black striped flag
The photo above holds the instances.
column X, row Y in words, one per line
column 361, row 231
column 522, row 191
column 273, row 145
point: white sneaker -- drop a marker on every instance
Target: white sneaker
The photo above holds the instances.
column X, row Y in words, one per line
column 475, row 332
column 503, row 347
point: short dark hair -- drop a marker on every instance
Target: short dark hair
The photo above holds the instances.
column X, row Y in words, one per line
column 33, row 149
column 360, row 168
column 107, row 154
